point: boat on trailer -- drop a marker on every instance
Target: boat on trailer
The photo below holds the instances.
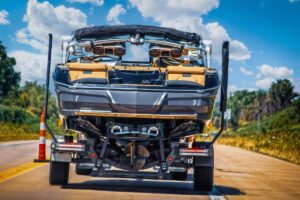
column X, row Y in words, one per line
column 136, row 114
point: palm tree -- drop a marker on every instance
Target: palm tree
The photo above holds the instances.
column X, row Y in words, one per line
column 282, row 94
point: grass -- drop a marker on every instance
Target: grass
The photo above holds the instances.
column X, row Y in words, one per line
column 14, row 132
column 285, row 145
column 11, row 131
column 277, row 135
column 15, row 137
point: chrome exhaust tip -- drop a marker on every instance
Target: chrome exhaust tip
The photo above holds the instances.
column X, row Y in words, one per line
column 116, row 130
column 153, row 131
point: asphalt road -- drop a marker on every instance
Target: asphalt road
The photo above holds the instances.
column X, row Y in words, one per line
column 239, row 174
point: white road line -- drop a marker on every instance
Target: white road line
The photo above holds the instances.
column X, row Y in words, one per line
column 10, row 143
column 17, row 142
column 214, row 197
column 215, row 194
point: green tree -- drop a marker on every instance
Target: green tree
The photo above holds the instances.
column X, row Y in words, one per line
column 282, row 93
column 238, row 102
column 9, row 79
column 254, row 105
column 31, row 97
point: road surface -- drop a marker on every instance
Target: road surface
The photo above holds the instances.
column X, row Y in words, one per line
column 239, row 174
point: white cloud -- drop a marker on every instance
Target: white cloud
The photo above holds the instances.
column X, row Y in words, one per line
column 297, row 85
column 114, row 13
column 162, row 10
column 232, row 88
column 264, row 83
column 276, row 72
column 43, row 18
column 195, row 6
column 94, row 2
column 268, row 74
column 186, row 15
column 238, row 50
column 31, row 65
column 23, row 36
column 3, row 17
column 246, row 71
column 218, row 34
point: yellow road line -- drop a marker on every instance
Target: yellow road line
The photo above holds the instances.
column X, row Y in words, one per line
column 10, row 173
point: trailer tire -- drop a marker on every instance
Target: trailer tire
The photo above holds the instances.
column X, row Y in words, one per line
column 179, row 175
column 203, row 178
column 59, row 173
column 80, row 171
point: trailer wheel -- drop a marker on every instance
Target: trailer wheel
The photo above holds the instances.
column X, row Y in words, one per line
column 80, row 171
column 59, row 173
column 203, row 178
column 179, row 175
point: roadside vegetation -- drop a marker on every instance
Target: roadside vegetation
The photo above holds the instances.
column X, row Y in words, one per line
column 20, row 106
column 266, row 121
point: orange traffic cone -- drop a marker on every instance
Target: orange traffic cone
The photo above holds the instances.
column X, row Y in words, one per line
column 42, row 142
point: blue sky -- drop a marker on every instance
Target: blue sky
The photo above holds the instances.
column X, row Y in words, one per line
column 264, row 34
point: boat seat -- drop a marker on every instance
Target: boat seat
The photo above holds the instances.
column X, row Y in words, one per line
column 184, row 73
column 87, row 70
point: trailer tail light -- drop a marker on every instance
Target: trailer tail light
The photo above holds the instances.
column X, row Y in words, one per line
column 68, row 147
column 194, row 152
column 93, row 155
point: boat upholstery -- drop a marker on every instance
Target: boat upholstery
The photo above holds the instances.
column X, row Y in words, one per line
column 87, row 70
column 99, row 70
column 183, row 73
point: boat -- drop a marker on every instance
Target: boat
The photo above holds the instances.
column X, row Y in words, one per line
column 132, row 113
column 174, row 84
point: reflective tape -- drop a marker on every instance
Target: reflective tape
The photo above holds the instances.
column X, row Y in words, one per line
column 42, row 140
column 42, row 126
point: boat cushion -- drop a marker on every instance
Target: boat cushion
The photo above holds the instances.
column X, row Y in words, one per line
column 183, row 73
column 87, row 70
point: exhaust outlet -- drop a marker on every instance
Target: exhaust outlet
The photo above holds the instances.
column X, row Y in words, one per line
column 116, row 130
column 153, row 131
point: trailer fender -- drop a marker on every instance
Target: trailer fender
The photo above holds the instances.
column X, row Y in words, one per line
column 205, row 161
